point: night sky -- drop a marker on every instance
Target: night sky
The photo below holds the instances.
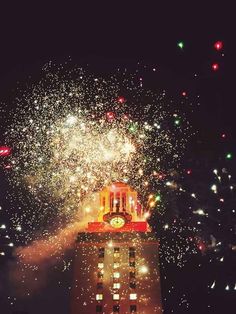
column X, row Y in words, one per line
column 106, row 37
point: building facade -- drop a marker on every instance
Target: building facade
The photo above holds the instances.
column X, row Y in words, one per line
column 116, row 266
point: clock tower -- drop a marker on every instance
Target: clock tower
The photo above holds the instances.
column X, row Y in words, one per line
column 116, row 265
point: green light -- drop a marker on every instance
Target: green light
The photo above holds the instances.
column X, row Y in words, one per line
column 180, row 44
column 229, row 156
column 177, row 122
column 158, row 198
column 133, row 128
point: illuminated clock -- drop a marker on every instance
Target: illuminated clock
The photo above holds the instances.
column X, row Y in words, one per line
column 117, row 222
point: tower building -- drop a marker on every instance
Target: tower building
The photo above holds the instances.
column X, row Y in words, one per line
column 116, row 266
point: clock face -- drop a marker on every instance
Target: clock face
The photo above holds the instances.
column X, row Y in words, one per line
column 117, row 222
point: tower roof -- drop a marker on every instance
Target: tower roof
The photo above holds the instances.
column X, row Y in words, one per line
column 118, row 184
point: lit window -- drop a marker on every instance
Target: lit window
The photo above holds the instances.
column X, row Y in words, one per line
column 100, row 265
column 133, row 296
column 116, row 296
column 116, row 285
column 116, row 275
column 116, row 252
column 116, row 265
column 99, row 297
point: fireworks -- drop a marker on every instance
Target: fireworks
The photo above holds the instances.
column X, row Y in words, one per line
column 70, row 137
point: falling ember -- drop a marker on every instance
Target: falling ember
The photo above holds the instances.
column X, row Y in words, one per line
column 121, row 100
column 215, row 66
column 218, row 45
column 5, row 151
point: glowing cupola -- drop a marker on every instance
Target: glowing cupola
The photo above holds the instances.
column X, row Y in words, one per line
column 119, row 210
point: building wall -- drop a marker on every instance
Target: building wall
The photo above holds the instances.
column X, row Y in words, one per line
column 136, row 257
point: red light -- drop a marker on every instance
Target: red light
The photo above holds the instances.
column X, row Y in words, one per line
column 121, row 100
column 184, row 94
column 139, row 226
column 189, row 171
column 5, row 151
column 110, row 116
column 7, row 167
column 215, row 66
column 201, row 247
column 223, row 135
column 160, row 176
column 218, row 45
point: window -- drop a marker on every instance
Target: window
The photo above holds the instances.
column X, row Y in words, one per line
column 116, row 285
column 132, row 254
column 116, row 296
column 133, row 296
column 116, row 275
column 99, row 297
column 132, row 269
column 116, row 252
column 99, row 285
column 132, row 285
column 101, row 252
column 100, row 265
column 133, row 308
column 99, row 309
column 132, row 274
column 116, row 265
column 116, row 308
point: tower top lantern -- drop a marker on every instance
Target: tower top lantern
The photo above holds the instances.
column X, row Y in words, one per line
column 119, row 210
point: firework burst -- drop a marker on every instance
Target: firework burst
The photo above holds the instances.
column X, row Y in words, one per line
column 71, row 136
